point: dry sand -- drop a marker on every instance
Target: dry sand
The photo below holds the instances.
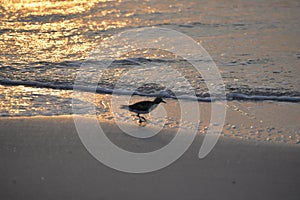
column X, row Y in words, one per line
column 43, row 158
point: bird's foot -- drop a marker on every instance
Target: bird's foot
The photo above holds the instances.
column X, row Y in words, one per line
column 142, row 119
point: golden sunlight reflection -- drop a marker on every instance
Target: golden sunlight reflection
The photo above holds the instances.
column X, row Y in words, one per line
column 20, row 100
column 52, row 31
column 28, row 101
column 34, row 7
column 55, row 31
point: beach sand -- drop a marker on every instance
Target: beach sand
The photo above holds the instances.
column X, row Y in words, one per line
column 43, row 158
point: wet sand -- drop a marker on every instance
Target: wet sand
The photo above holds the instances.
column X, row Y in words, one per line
column 43, row 158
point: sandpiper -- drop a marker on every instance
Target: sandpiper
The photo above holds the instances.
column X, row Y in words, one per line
column 143, row 107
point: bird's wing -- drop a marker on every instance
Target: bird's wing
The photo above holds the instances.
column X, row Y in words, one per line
column 143, row 106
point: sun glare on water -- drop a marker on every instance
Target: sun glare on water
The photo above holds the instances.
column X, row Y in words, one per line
column 52, row 31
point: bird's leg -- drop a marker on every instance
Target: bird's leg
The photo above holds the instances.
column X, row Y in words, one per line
column 141, row 119
column 138, row 115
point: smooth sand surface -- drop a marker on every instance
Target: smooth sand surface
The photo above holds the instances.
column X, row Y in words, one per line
column 43, row 158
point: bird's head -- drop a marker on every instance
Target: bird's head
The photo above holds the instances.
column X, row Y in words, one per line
column 159, row 100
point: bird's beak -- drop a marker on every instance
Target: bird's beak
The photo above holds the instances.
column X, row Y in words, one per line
column 163, row 101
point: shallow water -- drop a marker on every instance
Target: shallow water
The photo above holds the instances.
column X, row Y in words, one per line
column 43, row 44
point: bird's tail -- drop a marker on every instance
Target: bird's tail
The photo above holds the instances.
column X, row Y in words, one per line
column 124, row 107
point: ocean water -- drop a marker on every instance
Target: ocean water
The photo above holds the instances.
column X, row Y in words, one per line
column 255, row 46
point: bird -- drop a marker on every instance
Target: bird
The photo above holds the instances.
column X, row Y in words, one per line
column 143, row 107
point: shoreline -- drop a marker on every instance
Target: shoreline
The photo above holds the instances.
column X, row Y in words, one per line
column 273, row 122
